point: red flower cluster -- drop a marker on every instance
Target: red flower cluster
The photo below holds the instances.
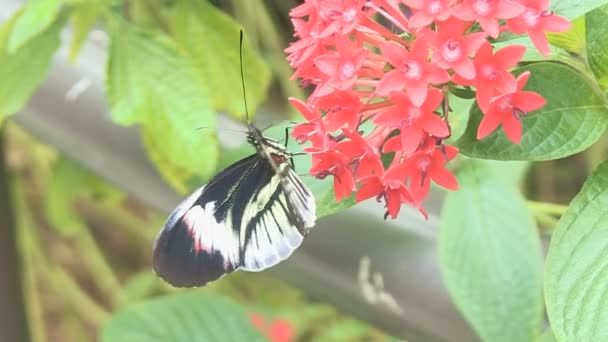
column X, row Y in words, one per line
column 279, row 330
column 390, row 63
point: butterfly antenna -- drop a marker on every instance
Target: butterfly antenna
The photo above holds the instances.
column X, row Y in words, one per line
column 243, row 77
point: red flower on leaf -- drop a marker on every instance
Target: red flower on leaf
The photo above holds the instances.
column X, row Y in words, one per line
column 412, row 71
column 340, row 68
column 452, row 49
column 492, row 77
column 508, row 109
column 414, row 122
column 488, row 12
column 428, row 11
column 374, row 59
column 535, row 20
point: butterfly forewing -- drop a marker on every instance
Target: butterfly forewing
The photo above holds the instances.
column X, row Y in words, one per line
column 252, row 215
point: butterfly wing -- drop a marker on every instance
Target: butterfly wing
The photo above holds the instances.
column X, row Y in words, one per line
column 244, row 217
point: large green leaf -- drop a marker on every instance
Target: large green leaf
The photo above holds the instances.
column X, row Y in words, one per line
column 180, row 152
column 151, row 81
column 574, row 118
column 576, row 277
column 490, row 256
column 212, row 40
column 84, row 17
column 597, row 44
column 22, row 72
column 191, row 316
column 572, row 9
column 36, row 17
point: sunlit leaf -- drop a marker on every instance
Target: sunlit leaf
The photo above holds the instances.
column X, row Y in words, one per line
column 24, row 70
column 84, row 17
column 151, row 81
column 179, row 151
column 37, row 16
column 211, row 38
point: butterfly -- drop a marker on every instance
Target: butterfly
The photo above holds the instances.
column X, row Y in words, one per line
column 250, row 216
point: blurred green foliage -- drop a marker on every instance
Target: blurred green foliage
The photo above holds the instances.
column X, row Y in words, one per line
column 87, row 250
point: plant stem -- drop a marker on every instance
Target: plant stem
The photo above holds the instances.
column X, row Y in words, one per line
column 59, row 280
column 16, row 309
column 98, row 267
column 33, row 303
column 547, row 221
column 547, row 208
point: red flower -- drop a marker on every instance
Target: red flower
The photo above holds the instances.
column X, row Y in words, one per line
column 334, row 163
column 429, row 164
column 414, row 122
column 340, row 68
column 342, row 109
column 390, row 186
column 492, row 76
column 452, row 49
column 311, row 34
column 377, row 66
column 427, row 11
column 507, row 109
column 488, row 12
column 535, row 20
column 412, row 71
column 313, row 130
column 344, row 15
column 279, row 329
column 364, row 158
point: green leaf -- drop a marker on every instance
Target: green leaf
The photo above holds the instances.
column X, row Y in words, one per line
column 36, row 17
column 490, row 257
column 532, row 54
column 211, row 38
column 151, row 81
column 69, row 183
column 23, row 71
column 511, row 173
column 459, row 116
column 576, row 281
column 191, row 316
column 84, row 18
column 179, row 151
column 572, row 9
column 573, row 119
column 572, row 40
column 66, row 185
column 597, row 40
column 140, row 285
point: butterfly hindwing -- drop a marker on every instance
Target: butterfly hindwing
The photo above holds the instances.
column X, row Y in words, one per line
column 248, row 216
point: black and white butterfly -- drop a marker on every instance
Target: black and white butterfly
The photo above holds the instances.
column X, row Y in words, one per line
column 250, row 216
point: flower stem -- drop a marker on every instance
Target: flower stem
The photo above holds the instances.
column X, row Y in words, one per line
column 547, row 208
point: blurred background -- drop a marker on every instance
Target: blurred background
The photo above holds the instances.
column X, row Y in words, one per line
column 84, row 192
